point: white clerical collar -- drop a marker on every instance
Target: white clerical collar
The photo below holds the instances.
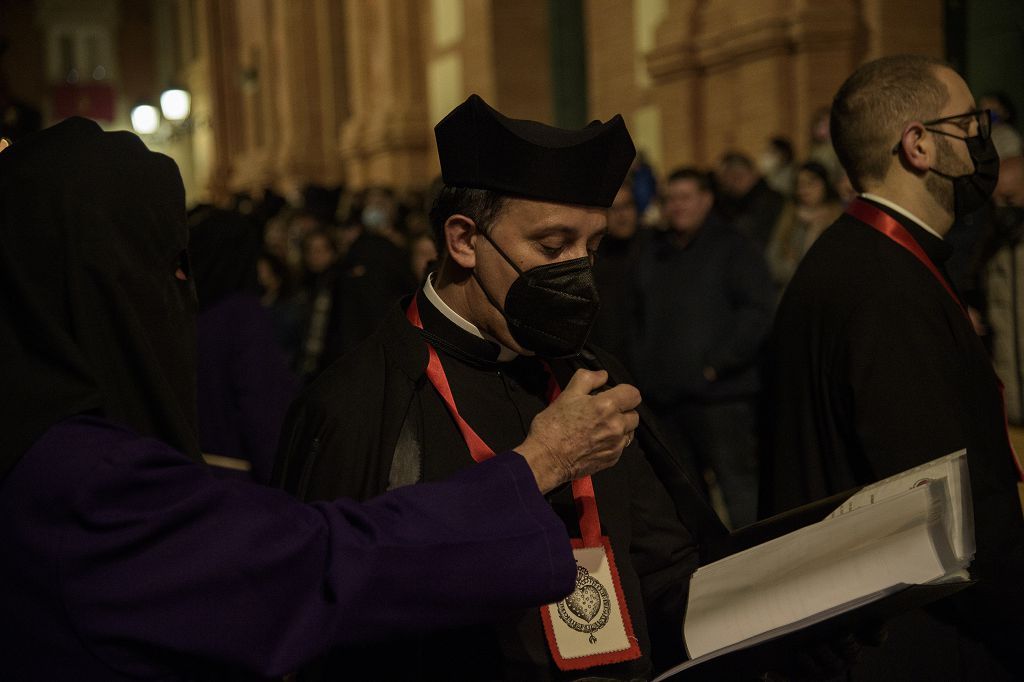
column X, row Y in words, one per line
column 504, row 354
column 902, row 211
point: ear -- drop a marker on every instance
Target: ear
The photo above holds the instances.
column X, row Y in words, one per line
column 918, row 151
column 460, row 237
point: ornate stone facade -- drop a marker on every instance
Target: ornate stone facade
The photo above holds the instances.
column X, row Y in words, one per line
column 332, row 91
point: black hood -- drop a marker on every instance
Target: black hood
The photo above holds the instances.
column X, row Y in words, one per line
column 92, row 316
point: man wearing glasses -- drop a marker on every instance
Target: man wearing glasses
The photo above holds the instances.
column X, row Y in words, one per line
column 876, row 368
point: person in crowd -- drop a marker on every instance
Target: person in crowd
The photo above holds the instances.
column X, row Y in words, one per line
column 814, row 207
column 277, row 242
column 703, row 304
column 644, row 183
column 422, row 256
column 747, row 202
column 615, row 262
column 876, row 367
column 124, row 558
column 321, row 291
column 1003, row 282
column 319, row 203
column 282, row 303
column 244, row 384
column 373, row 274
column 458, row 370
column 821, row 148
column 1005, row 135
column 777, row 167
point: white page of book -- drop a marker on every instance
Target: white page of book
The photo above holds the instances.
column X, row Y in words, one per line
column 817, row 568
column 950, row 467
column 781, row 631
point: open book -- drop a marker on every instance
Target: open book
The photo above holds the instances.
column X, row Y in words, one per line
column 915, row 528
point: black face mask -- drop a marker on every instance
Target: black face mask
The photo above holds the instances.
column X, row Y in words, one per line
column 972, row 191
column 549, row 309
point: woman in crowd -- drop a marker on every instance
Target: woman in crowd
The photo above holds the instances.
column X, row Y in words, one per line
column 815, row 205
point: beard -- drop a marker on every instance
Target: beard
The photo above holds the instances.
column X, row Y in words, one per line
column 940, row 188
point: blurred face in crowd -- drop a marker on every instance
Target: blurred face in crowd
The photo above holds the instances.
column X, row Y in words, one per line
column 301, row 225
column 318, row 253
column 275, row 238
column 622, row 217
column 736, row 180
column 268, row 279
column 531, row 233
column 422, row 253
column 686, row 206
column 1010, row 190
column 810, row 188
column 380, row 210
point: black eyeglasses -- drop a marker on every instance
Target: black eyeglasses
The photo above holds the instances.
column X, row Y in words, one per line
column 963, row 121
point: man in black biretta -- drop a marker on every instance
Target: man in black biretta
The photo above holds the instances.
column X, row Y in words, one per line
column 459, row 369
column 124, row 557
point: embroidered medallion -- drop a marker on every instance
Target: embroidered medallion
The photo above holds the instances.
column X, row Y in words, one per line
column 591, row 626
column 587, row 609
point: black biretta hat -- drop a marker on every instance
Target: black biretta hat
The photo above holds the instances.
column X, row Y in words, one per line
column 481, row 148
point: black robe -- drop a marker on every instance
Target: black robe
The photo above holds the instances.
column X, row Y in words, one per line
column 875, row 369
column 378, row 400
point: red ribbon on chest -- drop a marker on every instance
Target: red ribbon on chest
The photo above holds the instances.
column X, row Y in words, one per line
column 582, row 489
column 874, row 217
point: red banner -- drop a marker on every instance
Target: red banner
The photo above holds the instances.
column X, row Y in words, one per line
column 95, row 101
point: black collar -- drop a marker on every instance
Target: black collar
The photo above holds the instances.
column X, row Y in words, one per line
column 445, row 335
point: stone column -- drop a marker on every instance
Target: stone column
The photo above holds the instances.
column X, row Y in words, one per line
column 384, row 141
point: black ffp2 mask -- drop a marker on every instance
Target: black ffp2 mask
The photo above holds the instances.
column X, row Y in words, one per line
column 972, row 191
column 549, row 309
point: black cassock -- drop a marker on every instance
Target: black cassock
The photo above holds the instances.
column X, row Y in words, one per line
column 876, row 369
column 378, row 400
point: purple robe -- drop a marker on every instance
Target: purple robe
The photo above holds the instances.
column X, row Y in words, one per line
column 122, row 557
column 244, row 385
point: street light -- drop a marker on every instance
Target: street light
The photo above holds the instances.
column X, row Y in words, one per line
column 145, row 119
column 175, row 104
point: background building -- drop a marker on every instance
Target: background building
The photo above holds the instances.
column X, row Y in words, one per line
column 290, row 92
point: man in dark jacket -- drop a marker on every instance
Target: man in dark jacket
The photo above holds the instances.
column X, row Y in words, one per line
column 876, row 367
column 703, row 305
column 746, row 201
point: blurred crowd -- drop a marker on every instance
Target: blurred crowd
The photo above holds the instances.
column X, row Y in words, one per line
column 689, row 274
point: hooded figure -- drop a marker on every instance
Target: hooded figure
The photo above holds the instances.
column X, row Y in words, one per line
column 123, row 556
column 244, row 382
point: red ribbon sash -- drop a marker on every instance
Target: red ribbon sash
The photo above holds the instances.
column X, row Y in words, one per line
column 874, row 217
column 582, row 489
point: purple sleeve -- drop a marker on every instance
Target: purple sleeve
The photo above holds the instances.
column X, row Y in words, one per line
column 158, row 554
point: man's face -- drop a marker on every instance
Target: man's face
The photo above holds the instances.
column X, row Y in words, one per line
column 686, row 205
column 951, row 155
column 622, row 218
column 531, row 233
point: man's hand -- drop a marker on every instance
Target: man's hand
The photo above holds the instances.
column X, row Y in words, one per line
column 579, row 433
